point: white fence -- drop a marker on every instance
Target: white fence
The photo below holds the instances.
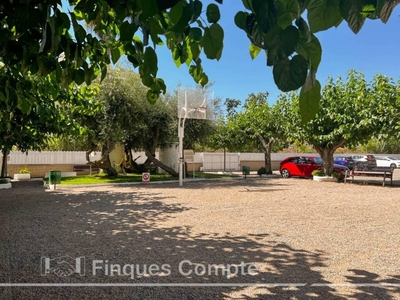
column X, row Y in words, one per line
column 210, row 161
column 59, row 157
column 51, row 158
column 217, row 161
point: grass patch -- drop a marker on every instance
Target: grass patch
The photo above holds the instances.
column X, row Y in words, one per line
column 102, row 179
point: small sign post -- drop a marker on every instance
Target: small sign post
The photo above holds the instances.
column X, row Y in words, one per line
column 145, row 178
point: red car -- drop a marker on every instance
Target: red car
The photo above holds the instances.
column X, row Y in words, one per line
column 303, row 166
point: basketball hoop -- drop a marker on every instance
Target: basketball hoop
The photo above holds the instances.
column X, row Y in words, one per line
column 192, row 104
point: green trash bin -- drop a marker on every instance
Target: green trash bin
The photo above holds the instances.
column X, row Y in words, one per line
column 245, row 170
column 54, row 177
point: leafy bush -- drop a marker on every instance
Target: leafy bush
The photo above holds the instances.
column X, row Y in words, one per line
column 261, row 171
column 24, row 171
column 335, row 175
column 317, row 173
column 3, row 181
column 321, row 173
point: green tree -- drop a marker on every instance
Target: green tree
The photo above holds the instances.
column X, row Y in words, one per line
column 350, row 112
column 28, row 128
column 383, row 145
column 126, row 117
column 258, row 126
column 40, row 38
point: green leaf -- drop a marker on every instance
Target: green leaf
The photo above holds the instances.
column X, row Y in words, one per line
column 159, row 86
column 79, row 76
column 387, row 9
column 247, row 4
column 89, row 76
column 197, row 9
column 212, row 41
column 254, row 51
column 115, row 54
column 280, row 43
column 2, row 97
column 152, row 97
column 24, row 105
column 309, row 102
column 303, row 27
column 289, row 75
column 303, row 4
column 148, row 7
column 127, row 30
column 195, row 33
column 240, row 19
column 266, row 14
column 288, row 10
column 80, row 32
column 204, row 80
column 315, row 52
column 310, row 81
column 219, row 1
column 103, row 72
column 176, row 12
column 150, row 62
column 324, row 14
column 310, row 50
column 351, row 12
column 212, row 13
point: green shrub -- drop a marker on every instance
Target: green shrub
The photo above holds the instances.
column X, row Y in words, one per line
column 321, row 173
column 335, row 175
column 261, row 171
column 24, row 171
column 317, row 173
column 3, row 181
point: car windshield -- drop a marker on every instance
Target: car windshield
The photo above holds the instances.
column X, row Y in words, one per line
column 317, row 160
column 392, row 158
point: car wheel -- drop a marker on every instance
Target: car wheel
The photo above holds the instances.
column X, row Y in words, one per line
column 285, row 173
column 393, row 166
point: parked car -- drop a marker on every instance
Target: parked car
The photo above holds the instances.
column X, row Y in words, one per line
column 302, row 166
column 364, row 161
column 346, row 161
column 387, row 161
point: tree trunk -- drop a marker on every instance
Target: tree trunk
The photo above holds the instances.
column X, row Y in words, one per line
column 327, row 160
column 327, row 157
column 104, row 162
column 160, row 164
column 4, row 164
column 267, row 153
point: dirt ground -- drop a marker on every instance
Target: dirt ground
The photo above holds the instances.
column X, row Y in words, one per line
column 260, row 238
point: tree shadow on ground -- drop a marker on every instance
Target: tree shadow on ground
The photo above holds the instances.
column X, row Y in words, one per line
column 266, row 184
column 126, row 227
column 370, row 286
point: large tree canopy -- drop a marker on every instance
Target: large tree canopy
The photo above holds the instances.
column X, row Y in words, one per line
column 258, row 126
column 29, row 127
column 41, row 37
column 352, row 111
column 122, row 115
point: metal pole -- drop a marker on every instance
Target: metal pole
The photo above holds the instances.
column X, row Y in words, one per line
column 224, row 160
column 180, row 131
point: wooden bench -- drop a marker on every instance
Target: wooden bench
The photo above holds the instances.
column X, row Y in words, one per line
column 374, row 172
column 85, row 168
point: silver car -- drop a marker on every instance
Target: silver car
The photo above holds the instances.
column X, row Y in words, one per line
column 364, row 161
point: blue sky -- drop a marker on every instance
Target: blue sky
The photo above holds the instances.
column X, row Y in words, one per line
column 375, row 49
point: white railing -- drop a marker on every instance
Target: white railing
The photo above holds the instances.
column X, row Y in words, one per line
column 211, row 161
column 217, row 161
column 51, row 158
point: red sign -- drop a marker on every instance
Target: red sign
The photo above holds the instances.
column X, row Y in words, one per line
column 145, row 177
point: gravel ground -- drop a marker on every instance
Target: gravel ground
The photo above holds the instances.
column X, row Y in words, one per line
column 294, row 231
